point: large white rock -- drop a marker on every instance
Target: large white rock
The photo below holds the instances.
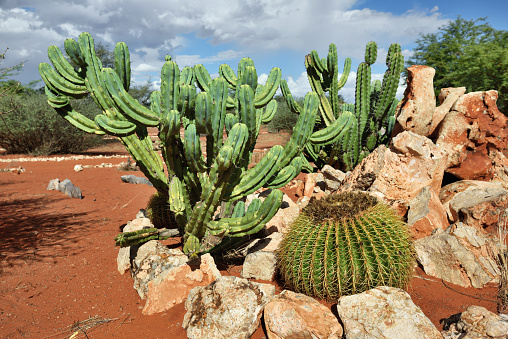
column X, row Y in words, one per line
column 153, row 260
column 461, row 255
column 228, row 308
column 295, row 315
column 400, row 175
column 172, row 286
column 384, row 313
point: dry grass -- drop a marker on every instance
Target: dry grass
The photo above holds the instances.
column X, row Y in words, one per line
column 503, row 262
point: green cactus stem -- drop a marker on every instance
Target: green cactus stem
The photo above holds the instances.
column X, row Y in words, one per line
column 344, row 145
column 192, row 184
column 345, row 244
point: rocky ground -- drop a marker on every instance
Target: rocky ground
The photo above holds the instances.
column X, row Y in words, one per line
column 58, row 269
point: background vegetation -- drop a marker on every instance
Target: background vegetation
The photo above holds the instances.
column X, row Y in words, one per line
column 467, row 53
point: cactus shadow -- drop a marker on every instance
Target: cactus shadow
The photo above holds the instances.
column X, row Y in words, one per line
column 30, row 233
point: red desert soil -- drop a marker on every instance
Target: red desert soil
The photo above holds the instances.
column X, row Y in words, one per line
column 58, row 270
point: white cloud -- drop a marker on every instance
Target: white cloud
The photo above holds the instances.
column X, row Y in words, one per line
column 256, row 28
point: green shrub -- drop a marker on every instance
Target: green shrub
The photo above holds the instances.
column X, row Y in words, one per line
column 33, row 127
column 284, row 119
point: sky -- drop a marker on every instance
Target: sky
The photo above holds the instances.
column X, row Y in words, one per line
column 274, row 33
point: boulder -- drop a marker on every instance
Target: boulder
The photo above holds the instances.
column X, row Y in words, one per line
column 260, row 258
column 426, row 213
column 132, row 179
column 447, row 97
column 125, row 254
column 478, row 322
column 229, row 307
column 415, row 111
column 314, row 182
column 400, row 174
column 499, row 167
column 66, row 187
column 332, row 178
column 470, row 132
column 460, row 255
column 475, row 203
column 259, row 265
column 153, row 260
column 384, row 312
column 173, row 286
column 53, row 185
column 295, row 315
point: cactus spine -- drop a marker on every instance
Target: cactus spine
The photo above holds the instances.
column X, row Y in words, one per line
column 194, row 186
column 351, row 131
column 345, row 244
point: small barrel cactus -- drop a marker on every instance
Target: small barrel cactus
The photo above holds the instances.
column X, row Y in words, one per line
column 159, row 212
column 345, row 244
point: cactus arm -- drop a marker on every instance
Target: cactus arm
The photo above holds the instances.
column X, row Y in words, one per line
column 269, row 112
column 125, row 103
column 203, row 78
column 389, row 86
column 112, row 127
column 192, row 148
column 170, row 89
column 292, row 104
column 63, row 67
column 74, row 52
column 155, row 103
column 78, row 120
column 227, row 73
column 123, row 64
column 59, row 84
column 286, row 174
column 314, row 77
column 203, row 113
column 269, row 88
column 187, row 76
column 302, row 130
column 238, row 210
column 150, row 168
column 230, row 121
column 371, row 53
column 142, row 236
column 363, row 95
column 249, row 77
column 179, row 202
column 345, row 73
column 252, row 222
column 257, row 176
column 333, row 132
column 247, row 116
column 218, row 117
column 62, row 106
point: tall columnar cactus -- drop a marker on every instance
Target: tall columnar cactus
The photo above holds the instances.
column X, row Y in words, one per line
column 195, row 185
column 345, row 244
column 353, row 130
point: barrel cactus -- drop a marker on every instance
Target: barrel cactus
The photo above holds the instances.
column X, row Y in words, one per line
column 195, row 185
column 159, row 212
column 345, row 244
column 349, row 132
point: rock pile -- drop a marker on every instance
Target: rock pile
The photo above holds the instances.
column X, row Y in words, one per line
column 444, row 172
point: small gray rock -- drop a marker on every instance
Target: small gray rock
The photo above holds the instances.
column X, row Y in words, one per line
column 68, row 188
column 132, row 179
column 53, row 184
